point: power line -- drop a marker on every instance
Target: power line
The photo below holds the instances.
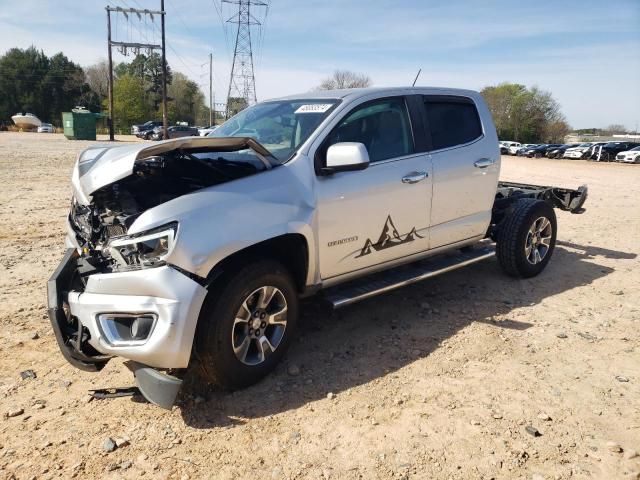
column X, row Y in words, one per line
column 182, row 60
column 262, row 34
column 157, row 28
column 182, row 21
column 136, row 47
column 224, row 27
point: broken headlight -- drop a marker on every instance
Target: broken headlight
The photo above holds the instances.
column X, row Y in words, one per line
column 148, row 249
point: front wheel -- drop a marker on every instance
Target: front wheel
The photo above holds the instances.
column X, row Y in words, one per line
column 246, row 326
column 527, row 238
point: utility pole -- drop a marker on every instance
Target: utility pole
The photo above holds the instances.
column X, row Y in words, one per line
column 212, row 117
column 136, row 47
column 165, row 115
column 242, row 84
column 110, row 119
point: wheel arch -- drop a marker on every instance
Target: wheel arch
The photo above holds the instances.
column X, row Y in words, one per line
column 290, row 249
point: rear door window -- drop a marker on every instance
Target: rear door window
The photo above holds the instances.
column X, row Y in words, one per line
column 381, row 125
column 452, row 121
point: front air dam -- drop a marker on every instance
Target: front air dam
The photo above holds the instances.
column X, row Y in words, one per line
column 158, row 387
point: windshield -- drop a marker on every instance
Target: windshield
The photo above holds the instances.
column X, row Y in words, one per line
column 280, row 126
column 635, row 149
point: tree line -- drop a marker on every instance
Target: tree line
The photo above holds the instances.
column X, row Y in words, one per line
column 137, row 92
column 45, row 86
column 30, row 81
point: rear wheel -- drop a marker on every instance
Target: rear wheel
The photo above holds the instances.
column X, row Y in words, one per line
column 527, row 238
column 246, row 326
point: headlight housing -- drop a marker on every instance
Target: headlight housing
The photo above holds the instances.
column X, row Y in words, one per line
column 144, row 250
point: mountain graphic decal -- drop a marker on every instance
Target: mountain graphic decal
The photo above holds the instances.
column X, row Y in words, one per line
column 389, row 237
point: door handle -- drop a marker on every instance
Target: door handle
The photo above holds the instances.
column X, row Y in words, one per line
column 483, row 163
column 414, row 177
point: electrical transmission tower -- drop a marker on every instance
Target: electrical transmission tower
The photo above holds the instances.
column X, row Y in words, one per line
column 242, row 84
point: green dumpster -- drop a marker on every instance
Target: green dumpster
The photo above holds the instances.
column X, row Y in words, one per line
column 80, row 124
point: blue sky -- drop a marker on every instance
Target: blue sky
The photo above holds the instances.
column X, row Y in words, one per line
column 587, row 53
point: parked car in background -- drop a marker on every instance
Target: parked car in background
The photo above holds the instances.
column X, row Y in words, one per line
column 204, row 131
column 513, row 148
column 175, row 131
column 505, row 147
column 46, row 128
column 558, row 152
column 522, row 152
column 543, row 150
column 579, row 151
column 630, row 156
column 146, row 129
column 610, row 150
column 534, row 151
column 590, row 152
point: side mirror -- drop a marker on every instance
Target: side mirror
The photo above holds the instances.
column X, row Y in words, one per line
column 346, row 157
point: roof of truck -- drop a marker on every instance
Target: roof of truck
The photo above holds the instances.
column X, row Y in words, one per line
column 360, row 92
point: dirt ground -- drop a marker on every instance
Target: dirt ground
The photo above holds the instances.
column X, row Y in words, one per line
column 438, row 380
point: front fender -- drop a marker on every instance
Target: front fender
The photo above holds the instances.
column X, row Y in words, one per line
column 216, row 222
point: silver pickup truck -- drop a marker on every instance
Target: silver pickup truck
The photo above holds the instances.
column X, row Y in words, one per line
column 194, row 252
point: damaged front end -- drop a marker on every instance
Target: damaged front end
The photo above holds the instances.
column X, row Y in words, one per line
column 70, row 334
column 115, row 293
column 111, row 192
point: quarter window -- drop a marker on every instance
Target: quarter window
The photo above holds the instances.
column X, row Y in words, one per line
column 452, row 121
column 382, row 126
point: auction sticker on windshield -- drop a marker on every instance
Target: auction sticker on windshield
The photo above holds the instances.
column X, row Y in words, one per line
column 314, row 108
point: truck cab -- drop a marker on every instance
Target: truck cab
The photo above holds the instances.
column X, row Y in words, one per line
column 430, row 181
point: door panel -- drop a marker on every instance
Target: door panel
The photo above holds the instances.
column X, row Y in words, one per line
column 462, row 194
column 370, row 217
column 381, row 213
column 466, row 165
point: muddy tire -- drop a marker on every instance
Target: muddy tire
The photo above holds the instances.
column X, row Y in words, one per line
column 246, row 325
column 527, row 238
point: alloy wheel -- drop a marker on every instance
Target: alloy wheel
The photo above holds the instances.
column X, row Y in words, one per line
column 259, row 325
column 538, row 240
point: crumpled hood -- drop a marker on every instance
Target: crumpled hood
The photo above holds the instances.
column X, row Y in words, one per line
column 102, row 165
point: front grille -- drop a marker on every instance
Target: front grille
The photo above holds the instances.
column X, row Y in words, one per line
column 620, row 157
column 115, row 230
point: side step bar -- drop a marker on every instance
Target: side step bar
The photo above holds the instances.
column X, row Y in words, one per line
column 372, row 285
